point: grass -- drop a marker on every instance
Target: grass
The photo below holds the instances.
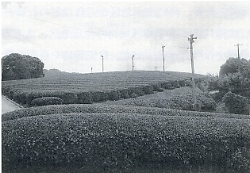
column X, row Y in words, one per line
column 125, row 142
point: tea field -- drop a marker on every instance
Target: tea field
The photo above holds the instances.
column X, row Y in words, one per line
column 113, row 138
column 118, row 136
column 96, row 87
column 96, row 81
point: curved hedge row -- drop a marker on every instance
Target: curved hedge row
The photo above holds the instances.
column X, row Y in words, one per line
column 25, row 97
column 121, row 142
column 181, row 102
column 106, row 108
column 46, row 101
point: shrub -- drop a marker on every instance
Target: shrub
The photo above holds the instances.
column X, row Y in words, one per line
column 148, row 89
column 236, row 104
column 183, row 102
column 118, row 142
column 135, row 92
column 167, row 85
column 46, row 101
column 157, row 87
column 124, row 93
column 67, row 97
column 114, row 95
column 109, row 107
column 84, row 98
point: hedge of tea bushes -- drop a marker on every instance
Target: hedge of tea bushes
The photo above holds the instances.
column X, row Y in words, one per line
column 46, row 101
column 110, row 108
column 181, row 102
column 25, row 96
column 125, row 142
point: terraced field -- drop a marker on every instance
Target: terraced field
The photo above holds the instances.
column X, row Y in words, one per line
column 106, row 137
column 96, row 81
column 96, row 87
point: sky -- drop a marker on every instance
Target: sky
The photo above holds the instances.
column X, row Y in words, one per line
column 72, row 36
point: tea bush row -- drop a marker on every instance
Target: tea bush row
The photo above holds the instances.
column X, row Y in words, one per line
column 124, row 142
column 107, row 108
column 46, row 101
column 25, row 97
column 182, row 102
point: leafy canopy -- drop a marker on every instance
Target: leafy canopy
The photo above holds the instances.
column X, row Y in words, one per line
column 16, row 66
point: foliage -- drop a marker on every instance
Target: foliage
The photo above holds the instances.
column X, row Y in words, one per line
column 235, row 77
column 16, row 66
column 46, row 101
column 115, row 142
column 213, row 82
column 179, row 98
column 234, row 65
column 88, row 89
column 109, row 108
column 236, row 104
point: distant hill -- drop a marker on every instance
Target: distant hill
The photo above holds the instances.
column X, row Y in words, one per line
column 55, row 72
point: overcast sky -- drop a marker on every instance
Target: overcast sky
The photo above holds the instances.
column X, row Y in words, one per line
column 72, row 36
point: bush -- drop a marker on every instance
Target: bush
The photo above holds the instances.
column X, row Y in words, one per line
column 46, row 101
column 148, row 89
column 109, row 107
column 135, row 92
column 118, row 142
column 114, row 95
column 124, row 93
column 68, row 97
column 183, row 102
column 157, row 87
column 236, row 104
column 84, row 98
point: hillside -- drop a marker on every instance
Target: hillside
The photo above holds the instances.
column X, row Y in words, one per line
column 78, row 88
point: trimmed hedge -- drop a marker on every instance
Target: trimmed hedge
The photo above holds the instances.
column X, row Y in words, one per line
column 46, row 101
column 121, row 142
column 183, row 102
column 24, row 97
column 106, row 108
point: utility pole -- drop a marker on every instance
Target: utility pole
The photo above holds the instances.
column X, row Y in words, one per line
column 191, row 40
column 102, row 64
column 238, row 45
column 163, row 57
column 133, row 65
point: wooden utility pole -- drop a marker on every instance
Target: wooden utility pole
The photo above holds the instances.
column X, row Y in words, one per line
column 102, row 64
column 133, row 65
column 191, row 40
column 163, row 58
column 238, row 45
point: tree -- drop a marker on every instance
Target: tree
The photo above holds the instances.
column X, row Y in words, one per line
column 236, row 104
column 234, row 65
column 16, row 66
column 235, row 77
